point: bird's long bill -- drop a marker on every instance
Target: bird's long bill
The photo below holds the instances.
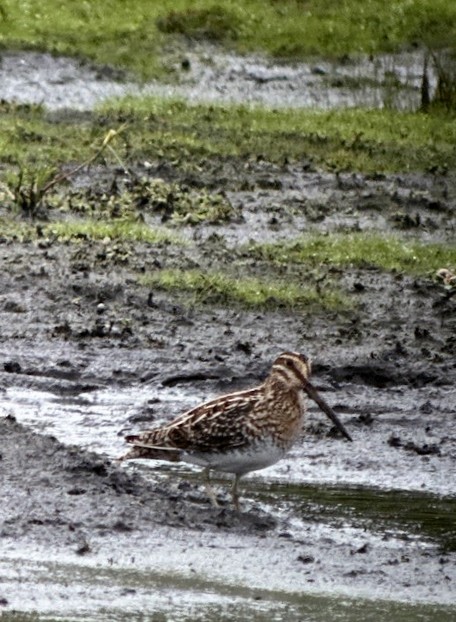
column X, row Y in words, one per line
column 326, row 408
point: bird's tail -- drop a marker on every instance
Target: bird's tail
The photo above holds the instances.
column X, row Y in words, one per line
column 149, row 452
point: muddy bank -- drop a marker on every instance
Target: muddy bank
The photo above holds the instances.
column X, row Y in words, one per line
column 87, row 295
column 96, row 497
column 304, row 519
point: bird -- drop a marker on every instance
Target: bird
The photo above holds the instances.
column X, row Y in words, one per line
column 239, row 432
column 449, row 282
column 448, row 278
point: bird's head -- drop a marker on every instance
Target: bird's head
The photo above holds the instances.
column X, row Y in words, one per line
column 293, row 369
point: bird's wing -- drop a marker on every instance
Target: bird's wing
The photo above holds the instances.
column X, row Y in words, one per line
column 220, row 424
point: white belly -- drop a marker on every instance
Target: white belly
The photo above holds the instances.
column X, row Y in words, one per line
column 238, row 461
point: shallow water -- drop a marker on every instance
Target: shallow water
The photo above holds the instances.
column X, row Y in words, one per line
column 215, row 76
column 98, row 420
column 350, row 567
column 144, row 595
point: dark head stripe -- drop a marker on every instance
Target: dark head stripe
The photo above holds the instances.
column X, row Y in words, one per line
column 293, row 362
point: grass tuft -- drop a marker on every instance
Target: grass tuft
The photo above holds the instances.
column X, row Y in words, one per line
column 86, row 229
column 122, row 230
column 252, row 293
column 214, row 23
column 362, row 250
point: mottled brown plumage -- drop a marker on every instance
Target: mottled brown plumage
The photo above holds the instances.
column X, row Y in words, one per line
column 242, row 431
column 448, row 278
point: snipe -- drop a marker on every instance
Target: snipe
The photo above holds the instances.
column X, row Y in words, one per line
column 242, row 431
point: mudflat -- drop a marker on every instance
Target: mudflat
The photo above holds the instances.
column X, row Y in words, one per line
column 89, row 350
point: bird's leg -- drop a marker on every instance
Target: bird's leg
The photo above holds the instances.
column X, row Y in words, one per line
column 235, row 492
column 209, row 490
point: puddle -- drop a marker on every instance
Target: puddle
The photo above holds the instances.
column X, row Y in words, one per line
column 386, row 80
column 215, row 76
column 423, row 517
column 93, row 420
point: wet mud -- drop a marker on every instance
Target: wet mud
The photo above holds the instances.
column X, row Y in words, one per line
column 87, row 354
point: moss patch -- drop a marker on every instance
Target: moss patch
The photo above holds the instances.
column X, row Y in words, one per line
column 173, row 202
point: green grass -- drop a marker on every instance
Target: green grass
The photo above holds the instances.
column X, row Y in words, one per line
column 361, row 250
column 191, row 136
column 125, row 231
column 86, row 229
column 247, row 292
column 352, row 139
column 19, row 230
column 29, row 138
column 132, row 34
